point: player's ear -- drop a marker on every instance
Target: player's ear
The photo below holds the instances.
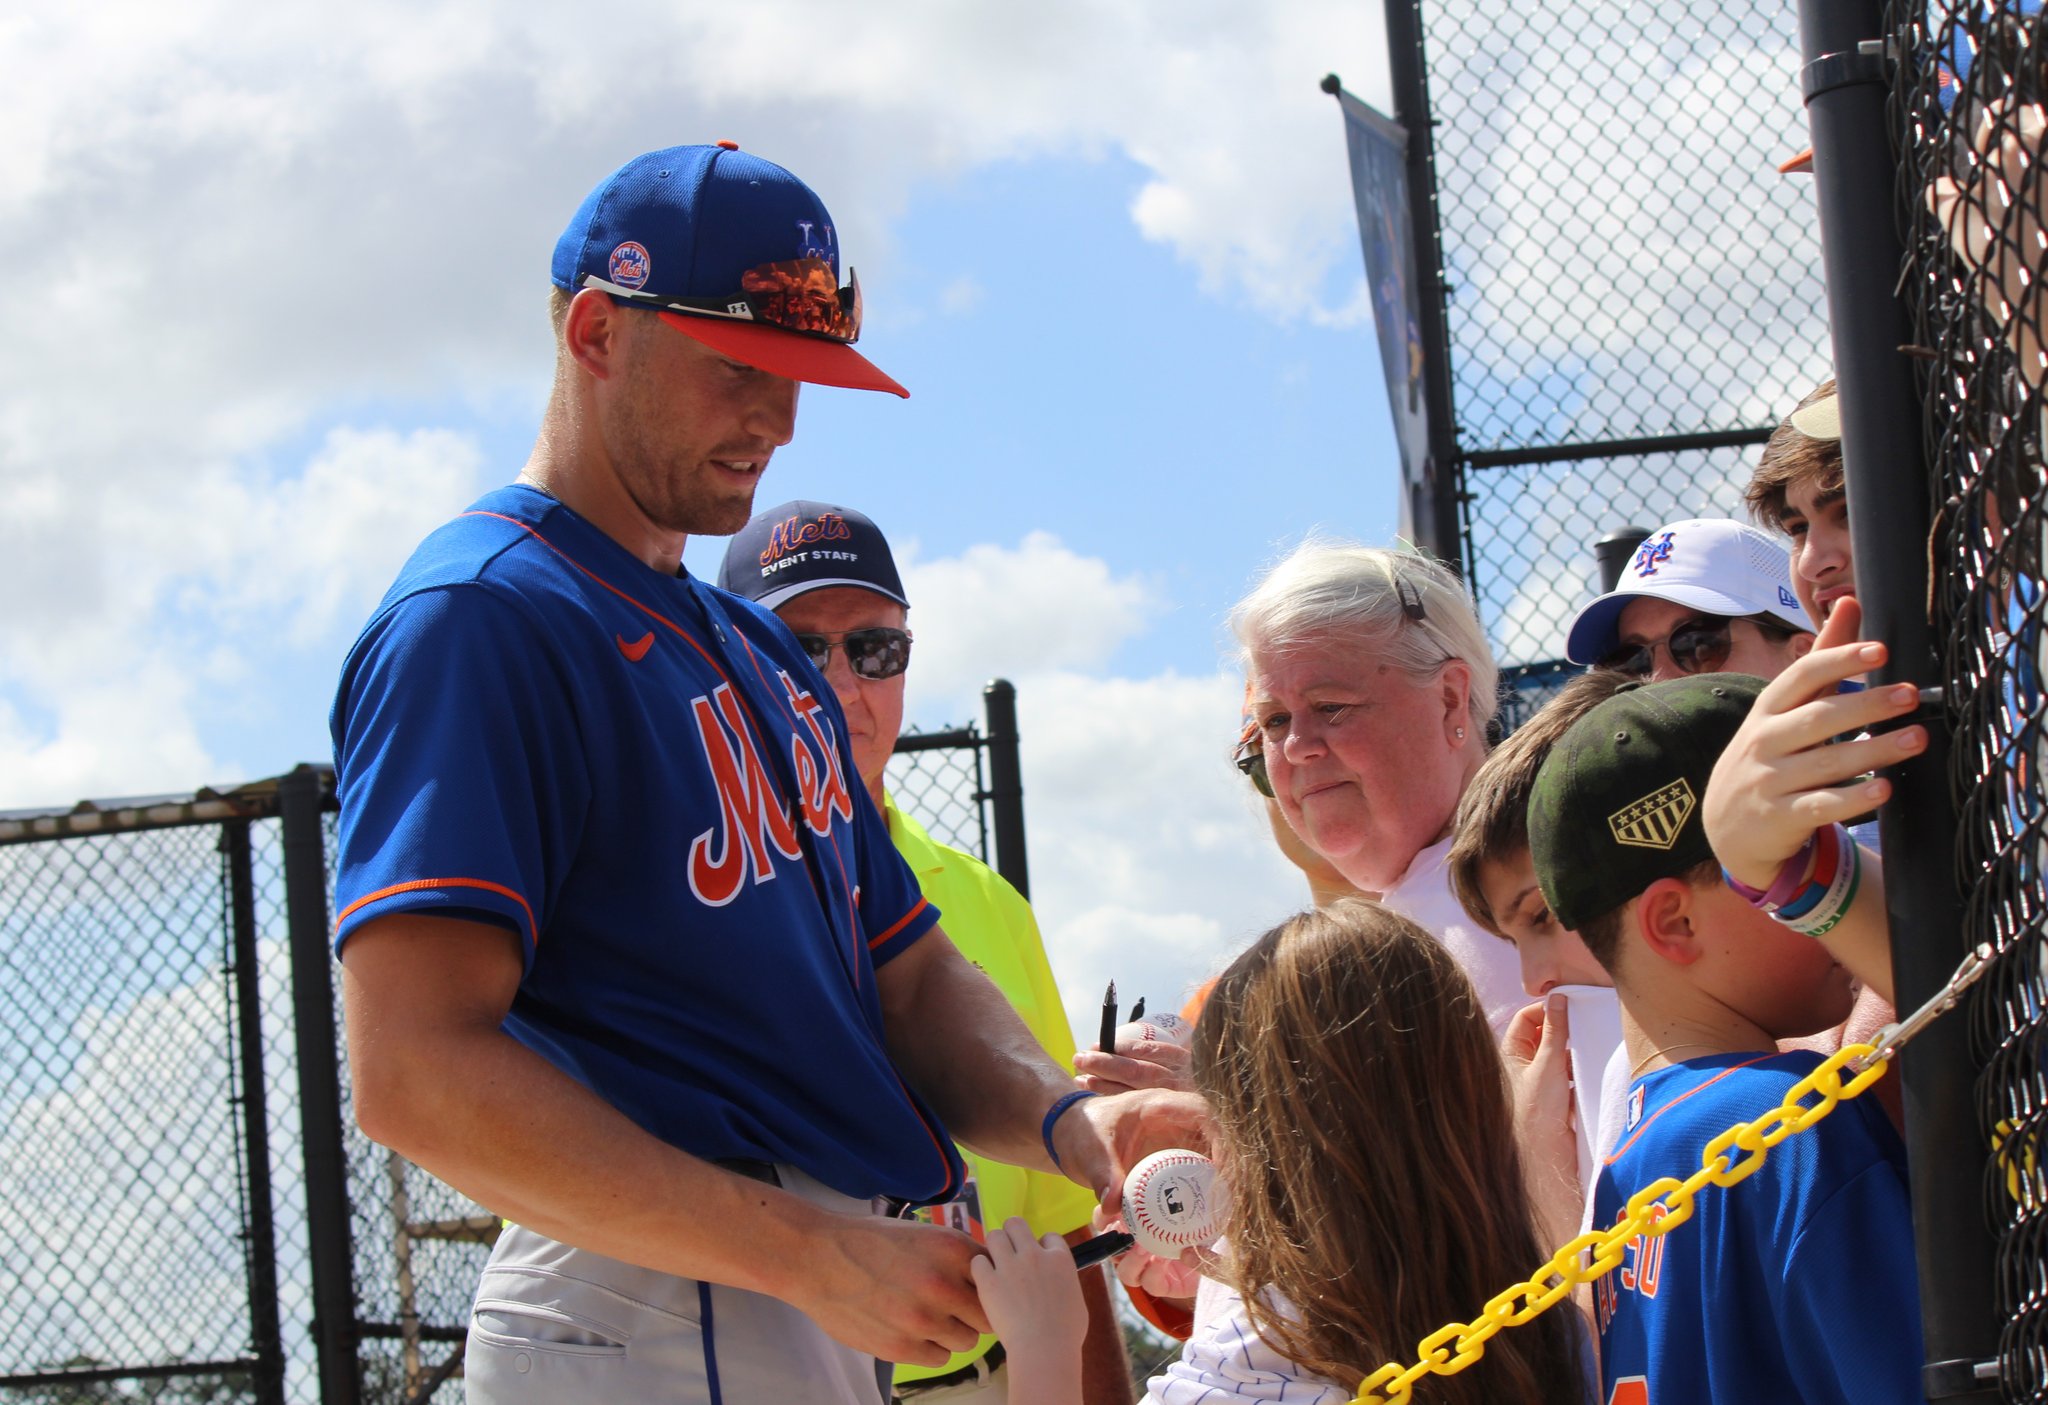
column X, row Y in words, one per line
column 593, row 332
column 1663, row 921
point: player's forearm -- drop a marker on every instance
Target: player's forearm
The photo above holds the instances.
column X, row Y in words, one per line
column 961, row 1045
column 505, row 1127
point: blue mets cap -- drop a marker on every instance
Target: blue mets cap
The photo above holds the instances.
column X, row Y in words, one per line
column 729, row 249
column 804, row 546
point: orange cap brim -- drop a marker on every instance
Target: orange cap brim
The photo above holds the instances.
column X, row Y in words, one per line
column 784, row 353
column 1802, row 163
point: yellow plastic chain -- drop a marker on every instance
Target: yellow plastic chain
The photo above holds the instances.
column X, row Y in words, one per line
column 1451, row 1349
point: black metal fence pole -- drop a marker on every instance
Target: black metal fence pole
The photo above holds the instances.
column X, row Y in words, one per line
column 1006, row 782
column 266, row 1336
column 1441, row 531
column 1846, row 81
column 300, row 800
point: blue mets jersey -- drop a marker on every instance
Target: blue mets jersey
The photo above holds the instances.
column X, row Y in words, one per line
column 646, row 780
column 1795, row 1286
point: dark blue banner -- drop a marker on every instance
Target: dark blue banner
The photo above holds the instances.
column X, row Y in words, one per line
column 1379, row 182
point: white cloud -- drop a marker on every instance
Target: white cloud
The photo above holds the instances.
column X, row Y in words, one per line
column 1150, row 860
column 1024, row 610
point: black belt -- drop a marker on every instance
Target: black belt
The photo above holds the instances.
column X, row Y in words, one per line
column 752, row 1170
column 982, row 1367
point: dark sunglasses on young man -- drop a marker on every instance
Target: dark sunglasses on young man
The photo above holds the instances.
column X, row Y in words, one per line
column 873, row 654
column 1698, row 645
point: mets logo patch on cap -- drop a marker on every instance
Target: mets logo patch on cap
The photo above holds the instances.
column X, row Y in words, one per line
column 630, row 266
column 1654, row 821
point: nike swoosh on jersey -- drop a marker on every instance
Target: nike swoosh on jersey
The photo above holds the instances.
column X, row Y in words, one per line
column 637, row 650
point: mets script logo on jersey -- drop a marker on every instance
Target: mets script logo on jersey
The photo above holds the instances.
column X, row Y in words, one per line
column 630, row 265
column 788, row 536
column 1653, row 553
column 1654, row 821
column 754, row 825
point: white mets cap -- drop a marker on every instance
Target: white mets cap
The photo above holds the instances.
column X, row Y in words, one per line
column 1713, row 564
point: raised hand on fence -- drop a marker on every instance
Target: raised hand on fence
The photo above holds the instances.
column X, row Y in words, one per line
column 1994, row 213
column 1779, row 781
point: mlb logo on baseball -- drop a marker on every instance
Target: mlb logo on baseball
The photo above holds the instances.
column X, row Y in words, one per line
column 630, row 265
column 1172, row 1202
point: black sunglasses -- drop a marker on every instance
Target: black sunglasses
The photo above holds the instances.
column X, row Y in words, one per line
column 871, row 653
column 1251, row 761
column 1700, row 645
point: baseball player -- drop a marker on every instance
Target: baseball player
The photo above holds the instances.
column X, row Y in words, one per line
column 627, row 956
column 828, row 574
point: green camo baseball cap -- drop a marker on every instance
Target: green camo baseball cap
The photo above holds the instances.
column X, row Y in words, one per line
column 1616, row 805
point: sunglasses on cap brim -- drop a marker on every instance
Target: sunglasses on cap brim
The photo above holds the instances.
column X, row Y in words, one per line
column 797, row 295
column 753, row 324
column 873, row 654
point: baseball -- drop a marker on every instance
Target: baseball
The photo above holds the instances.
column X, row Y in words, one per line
column 1171, row 1203
column 1158, row 1029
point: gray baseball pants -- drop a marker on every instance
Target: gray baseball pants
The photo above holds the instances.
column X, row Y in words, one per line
column 554, row 1324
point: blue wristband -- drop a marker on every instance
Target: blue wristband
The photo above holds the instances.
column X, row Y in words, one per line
column 1045, row 1131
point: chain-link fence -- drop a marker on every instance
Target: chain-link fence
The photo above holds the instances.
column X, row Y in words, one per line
column 1967, row 108
column 188, row 1213
column 1632, row 295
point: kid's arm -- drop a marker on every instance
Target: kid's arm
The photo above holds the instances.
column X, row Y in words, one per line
column 1778, row 781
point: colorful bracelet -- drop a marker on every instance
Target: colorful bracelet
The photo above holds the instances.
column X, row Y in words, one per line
column 1826, row 913
column 1786, row 886
column 1827, row 864
column 1045, row 1131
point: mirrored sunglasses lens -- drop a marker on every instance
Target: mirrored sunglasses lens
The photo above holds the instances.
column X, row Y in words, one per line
column 817, row 646
column 802, row 295
column 1700, row 648
column 878, row 653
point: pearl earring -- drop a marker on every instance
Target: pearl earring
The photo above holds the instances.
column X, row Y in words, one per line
column 1461, row 734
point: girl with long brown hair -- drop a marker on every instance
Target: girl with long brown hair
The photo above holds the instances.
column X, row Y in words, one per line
column 1364, row 1134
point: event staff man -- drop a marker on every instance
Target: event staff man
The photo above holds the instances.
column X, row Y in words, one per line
column 827, row 572
column 625, row 956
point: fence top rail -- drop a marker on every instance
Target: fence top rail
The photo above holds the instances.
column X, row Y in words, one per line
column 252, row 800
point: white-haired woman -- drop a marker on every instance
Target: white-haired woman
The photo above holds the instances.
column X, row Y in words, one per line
column 1371, row 689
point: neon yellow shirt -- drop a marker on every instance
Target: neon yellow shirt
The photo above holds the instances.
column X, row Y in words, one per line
column 993, row 927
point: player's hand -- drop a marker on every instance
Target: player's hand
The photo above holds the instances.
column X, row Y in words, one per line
column 1100, row 1139
column 1778, row 781
column 1135, row 1062
column 896, row 1289
column 1032, row 1294
column 1147, row 1272
column 1537, row 1052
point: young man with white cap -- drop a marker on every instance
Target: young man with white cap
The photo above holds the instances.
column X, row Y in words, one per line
column 1703, row 595
column 827, row 572
column 625, row 956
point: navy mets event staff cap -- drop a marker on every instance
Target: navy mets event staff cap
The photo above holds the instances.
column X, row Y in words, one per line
column 803, row 546
column 729, row 249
